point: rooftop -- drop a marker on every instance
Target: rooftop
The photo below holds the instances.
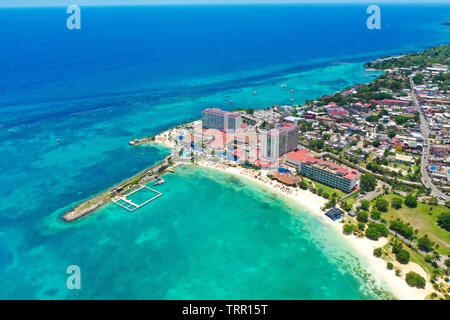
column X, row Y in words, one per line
column 306, row 157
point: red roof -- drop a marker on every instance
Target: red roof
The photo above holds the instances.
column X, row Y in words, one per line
column 305, row 156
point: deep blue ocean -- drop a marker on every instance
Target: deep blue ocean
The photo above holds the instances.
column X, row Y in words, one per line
column 133, row 71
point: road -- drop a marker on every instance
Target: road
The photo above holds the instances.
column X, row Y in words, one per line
column 425, row 131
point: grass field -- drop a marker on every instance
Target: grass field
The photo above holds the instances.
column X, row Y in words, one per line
column 424, row 219
column 325, row 188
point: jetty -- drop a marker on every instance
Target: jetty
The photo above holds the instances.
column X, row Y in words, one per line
column 138, row 142
column 135, row 182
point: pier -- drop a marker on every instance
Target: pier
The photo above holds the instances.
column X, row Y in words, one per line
column 116, row 192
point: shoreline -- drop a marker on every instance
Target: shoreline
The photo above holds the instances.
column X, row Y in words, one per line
column 363, row 246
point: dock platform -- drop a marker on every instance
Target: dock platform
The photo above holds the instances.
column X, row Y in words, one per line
column 124, row 202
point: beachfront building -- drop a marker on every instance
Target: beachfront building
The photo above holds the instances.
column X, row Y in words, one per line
column 325, row 172
column 279, row 141
column 215, row 118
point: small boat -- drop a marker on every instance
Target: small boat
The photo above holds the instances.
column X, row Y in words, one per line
column 283, row 85
column 231, row 101
column 58, row 140
column 171, row 170
column 292, row 100
column 292, row 90
column 255, row 93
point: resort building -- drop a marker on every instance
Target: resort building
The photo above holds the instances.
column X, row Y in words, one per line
column 215, row 118
column 279, row 141
column 287, row 178
column 322, row 171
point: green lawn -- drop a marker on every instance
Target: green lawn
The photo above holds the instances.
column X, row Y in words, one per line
column 325, row 188
column 423, row 219
column 352, row 199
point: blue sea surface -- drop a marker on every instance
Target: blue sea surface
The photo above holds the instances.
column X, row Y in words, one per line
column 70, row 100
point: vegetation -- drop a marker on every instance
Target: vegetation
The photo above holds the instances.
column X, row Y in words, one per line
column 375, row 214
column 365, row 205
column 425, row 243
column 420, row 59
column 401, row 228
column 348, row 228
column 415, row 280
column 403, row 256
column 376, row 231
column 396, row 203
column 411, row 201
column 368, row 182
column 444, row 220
column 377, row 252
column 362, row 216
column 423, row 218
column 303, row 185
column 382, row 204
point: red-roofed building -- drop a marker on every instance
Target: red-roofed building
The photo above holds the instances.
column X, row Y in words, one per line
column 337, row 113
column 325, row 172
column 390, row 102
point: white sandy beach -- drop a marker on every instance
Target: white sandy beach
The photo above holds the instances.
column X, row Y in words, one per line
column 363, row 246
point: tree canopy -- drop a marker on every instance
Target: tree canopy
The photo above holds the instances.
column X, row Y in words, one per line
column 368, row 182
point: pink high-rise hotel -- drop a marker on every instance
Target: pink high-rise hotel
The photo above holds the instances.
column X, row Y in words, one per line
column 215, row 118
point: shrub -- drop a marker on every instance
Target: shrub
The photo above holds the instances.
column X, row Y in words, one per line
column 411, row 201
column 362, row 216
column 382, row 205
column 425, row 243
column 348, row 228
column 396, row 247
column 401, row 228
column 377, row 252
column 390, row 266
column 415, row 280
column 396, row 203
column 303, row 185
column 361, row 226
column 447, row 263
column 376, row 230
column 403, row 256
column 444, row 220
column 365, row 205
column 375, row 214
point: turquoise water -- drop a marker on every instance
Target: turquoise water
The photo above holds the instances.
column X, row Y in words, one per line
column 132, row 72
column 248, row 243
